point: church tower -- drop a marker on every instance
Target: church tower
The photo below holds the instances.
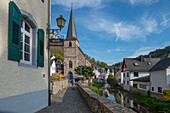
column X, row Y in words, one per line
column 70, row 49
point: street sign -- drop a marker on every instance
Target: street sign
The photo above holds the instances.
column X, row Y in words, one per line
column 56, row 42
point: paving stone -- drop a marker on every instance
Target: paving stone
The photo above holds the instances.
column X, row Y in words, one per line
column 67, row 101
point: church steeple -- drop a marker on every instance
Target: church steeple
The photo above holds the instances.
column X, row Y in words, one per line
column 71, row 33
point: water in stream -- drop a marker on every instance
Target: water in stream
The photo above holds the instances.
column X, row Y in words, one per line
column 127, row 100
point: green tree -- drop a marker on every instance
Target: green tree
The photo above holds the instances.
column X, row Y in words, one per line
column 112, row 81
column 58, row 56
column 86, row 71
column 79, row 70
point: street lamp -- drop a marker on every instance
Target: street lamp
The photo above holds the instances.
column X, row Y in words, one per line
column 60, row 23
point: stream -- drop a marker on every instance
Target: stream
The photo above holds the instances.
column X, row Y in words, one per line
column 127, row 100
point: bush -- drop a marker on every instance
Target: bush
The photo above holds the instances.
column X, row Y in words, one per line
column 53, row 78
column 95, row 89
column 97, row 84
column 166, row 95
column 153, row 102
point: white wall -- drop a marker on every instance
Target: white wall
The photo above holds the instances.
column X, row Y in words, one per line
column 20, row 80
column 53, row 68
column 158, row 79
column 121, row 78
column 168, row 77
column 131, row 76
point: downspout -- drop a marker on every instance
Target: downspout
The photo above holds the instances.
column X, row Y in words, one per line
column 49, row 52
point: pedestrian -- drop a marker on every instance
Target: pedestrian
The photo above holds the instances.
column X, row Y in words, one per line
column 72, row 82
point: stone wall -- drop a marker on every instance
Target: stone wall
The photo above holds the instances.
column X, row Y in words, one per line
column 99, row 104
column 157, row 96
column 59, row 85
column 135, row 90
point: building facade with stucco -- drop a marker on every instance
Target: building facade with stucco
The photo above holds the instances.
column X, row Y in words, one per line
column 23, row 55
column 73, row 55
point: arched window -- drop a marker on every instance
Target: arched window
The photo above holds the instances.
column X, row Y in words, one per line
column 70, row 44
column 29, row 38
column 70, row 64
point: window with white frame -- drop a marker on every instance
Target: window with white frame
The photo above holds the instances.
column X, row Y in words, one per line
column 26, row 42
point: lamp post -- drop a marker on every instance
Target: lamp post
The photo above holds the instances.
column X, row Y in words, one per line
column 60, row 23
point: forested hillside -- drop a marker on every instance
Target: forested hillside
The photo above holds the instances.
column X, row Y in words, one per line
column 161, row 53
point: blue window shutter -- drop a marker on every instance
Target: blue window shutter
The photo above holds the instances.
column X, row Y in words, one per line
column 40, row 48
column 14, row 39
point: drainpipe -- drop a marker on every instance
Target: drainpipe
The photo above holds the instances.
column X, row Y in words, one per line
column 49, row 52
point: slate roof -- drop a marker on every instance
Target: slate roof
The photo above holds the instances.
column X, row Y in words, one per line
column 161, row 65
column 71, row 33
column 144, row 65
column 142, row 79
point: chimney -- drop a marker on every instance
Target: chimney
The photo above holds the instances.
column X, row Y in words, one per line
column 141, row 58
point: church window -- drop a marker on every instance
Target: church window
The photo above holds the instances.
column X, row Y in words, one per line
column 70, row 44
column 70, row 64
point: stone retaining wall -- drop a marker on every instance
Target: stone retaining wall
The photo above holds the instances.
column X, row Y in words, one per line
column 135, row 90
column 152, row 94
column 157, row 96
column 99, row 104
column 59, row 85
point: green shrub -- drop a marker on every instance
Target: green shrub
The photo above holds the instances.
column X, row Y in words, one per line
column 95, row 89
column 97, row 84
column 153, row 102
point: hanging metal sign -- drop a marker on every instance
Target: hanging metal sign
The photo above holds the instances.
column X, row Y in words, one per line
column 56, row 42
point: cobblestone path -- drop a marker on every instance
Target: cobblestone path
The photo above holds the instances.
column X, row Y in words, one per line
column 67, row 101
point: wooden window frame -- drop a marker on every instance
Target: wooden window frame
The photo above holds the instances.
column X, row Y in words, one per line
column 24, row 32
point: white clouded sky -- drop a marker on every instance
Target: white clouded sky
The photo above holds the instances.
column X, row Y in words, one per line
column 116, row 29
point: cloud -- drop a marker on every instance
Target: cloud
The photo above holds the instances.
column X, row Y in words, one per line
column 78, row 3
column 142, row 51
column 165, row 20
column 124, row 30
column 146, row 2
column 117, row 50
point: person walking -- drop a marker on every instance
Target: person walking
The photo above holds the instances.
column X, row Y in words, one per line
column 72, row 82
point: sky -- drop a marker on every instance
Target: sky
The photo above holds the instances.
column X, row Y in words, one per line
column 110, row 30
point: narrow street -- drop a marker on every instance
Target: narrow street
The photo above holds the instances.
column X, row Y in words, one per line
column 67, row 101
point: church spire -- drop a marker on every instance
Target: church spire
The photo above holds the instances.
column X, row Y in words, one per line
column 71, row 33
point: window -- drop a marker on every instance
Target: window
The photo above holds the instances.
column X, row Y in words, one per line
column 159, row 89
column 135, row 85
column 70, row 64
column 149, row 63
column 135, row 64
column 136, row 74
column 152, row 88
column 127, row 82
column 127, row 74
column 142, row 86
column 26, row 42
column 25, row 45
column 124, row 74
column 124, row 82
column 70, row 44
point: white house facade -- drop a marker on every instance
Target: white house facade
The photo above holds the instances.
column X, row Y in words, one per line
column 133, row 68
column 160, row 76
column 23, row 55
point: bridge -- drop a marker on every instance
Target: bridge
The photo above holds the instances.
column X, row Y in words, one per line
column 67, row 101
